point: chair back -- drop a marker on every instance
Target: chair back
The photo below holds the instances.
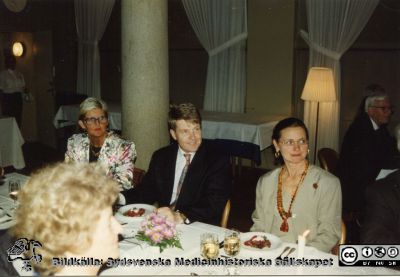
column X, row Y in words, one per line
column 342, row 240
column 137, row 176
column 225, row 214
column 328, row 159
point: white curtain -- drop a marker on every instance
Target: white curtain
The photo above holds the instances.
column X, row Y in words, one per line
column 333, row 26
column 221, row 26
column 91, row 18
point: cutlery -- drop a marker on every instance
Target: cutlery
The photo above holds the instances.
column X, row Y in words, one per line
column 5, row 221
column 290, row 252
column 7, row 213
column 284, row 250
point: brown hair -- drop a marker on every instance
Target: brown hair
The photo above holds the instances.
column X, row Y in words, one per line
column 185, row 111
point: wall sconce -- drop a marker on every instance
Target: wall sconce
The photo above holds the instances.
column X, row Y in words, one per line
column 18, row 49
column 319, row 87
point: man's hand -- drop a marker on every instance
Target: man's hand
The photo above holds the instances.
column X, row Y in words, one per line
column 170, row 215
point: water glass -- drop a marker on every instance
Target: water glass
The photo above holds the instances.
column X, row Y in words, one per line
column 13, row 189
column 232, row 243
column 209, row 246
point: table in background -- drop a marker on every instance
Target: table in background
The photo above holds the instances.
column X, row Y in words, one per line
column 11, row 142
column 240, row 135
column 190, row 240
column 237, row 134
column 67, row 115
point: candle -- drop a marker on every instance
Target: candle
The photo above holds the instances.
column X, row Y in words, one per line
column 301, row 244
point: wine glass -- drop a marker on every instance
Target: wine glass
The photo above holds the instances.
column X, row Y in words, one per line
column 232, row 243
column 232, row 248
column 209, row 246
column 13, row 189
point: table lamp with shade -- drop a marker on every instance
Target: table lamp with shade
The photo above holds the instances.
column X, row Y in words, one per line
column 319, row 87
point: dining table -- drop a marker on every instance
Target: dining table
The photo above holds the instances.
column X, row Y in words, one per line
column 139, row 258
column 11, row 142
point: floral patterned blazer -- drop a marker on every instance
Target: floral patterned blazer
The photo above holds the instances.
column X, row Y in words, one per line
column 117, row 155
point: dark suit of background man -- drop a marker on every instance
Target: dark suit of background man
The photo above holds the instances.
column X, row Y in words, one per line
column 207, row 184
column 382, row 221
column 382, row 217
column 367, row 148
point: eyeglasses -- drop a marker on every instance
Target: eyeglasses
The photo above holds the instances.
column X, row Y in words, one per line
column 93, row 120
column 384, row 108
column 292, row 142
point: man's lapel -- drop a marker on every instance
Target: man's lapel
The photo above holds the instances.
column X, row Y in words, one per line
column 170, row 164
column 194, row 175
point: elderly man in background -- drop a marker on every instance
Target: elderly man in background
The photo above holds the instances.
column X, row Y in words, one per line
column 190, row 180
column 382, row 220
column 367, row 148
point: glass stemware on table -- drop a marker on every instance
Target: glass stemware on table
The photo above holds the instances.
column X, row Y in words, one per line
column 13, row 190
column 232, row 242
column 232, row 249
column 209, row 246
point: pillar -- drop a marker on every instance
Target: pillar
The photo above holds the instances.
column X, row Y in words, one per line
column 144, row 62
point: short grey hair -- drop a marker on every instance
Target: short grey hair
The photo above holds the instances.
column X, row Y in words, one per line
column 91, row 103
column 370, row 100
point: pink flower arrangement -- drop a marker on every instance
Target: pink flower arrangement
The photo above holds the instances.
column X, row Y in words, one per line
column 158, row 231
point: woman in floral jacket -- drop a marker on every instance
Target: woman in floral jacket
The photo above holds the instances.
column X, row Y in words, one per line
column 98, row 144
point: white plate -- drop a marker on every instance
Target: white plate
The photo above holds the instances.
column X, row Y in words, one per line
column 275, row 241
column 2, row 213
column 120, row 214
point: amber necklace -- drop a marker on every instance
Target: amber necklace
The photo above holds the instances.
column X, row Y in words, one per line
column 279, row 203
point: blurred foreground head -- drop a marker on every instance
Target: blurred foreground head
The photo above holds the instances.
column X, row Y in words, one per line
column 67, row 208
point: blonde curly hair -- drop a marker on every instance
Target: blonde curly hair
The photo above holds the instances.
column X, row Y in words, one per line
column 59, row 206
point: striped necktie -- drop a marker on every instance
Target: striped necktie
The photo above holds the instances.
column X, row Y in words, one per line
column 181, row 179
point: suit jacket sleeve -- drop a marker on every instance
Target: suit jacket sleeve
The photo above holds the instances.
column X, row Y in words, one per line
column 380, row 223
column 122, row 167
column 329, row 215
column 260, row 219
column 70, row 154
column 147, row 191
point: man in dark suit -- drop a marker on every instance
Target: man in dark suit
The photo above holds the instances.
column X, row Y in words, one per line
column 367, row 148
column 190, row 179
column 382, row 218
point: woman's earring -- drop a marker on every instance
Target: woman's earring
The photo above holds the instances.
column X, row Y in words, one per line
column 277, row 154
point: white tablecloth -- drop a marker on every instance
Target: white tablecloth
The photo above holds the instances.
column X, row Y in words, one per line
column 249, row 128
column 11, row 142
column 190, row 239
